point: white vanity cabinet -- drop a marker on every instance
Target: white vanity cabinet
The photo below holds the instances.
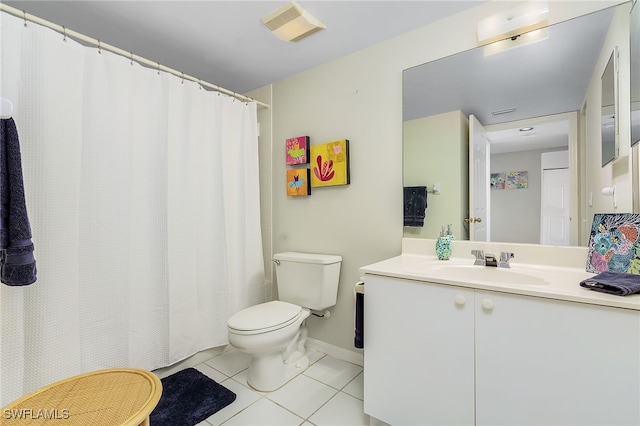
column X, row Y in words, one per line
column 438, row 354
column 418, row 356
column 550, row 362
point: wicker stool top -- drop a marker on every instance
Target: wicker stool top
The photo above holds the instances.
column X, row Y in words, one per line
column 120, row 396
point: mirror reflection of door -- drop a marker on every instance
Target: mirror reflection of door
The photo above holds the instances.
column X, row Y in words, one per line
column 479, row 202
column 554, row 203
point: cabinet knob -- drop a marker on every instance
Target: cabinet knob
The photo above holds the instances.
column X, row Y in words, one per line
column 487, row 304
column 460, row 300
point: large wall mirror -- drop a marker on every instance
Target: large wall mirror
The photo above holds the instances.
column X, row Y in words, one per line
column 524, row 97
column 635, row 71
column 609, row 98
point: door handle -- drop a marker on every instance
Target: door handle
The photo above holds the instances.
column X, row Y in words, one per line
column 472, row 219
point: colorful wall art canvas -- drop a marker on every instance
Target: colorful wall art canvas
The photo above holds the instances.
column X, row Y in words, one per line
column 298, row 182
column 517, row 180
column 498, row 180
column 613, row 243
column 297, row 150
column 330, row 162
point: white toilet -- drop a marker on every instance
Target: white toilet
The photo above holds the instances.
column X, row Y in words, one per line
column 274, row 333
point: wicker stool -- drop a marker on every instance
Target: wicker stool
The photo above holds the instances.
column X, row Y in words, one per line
column 120, row 396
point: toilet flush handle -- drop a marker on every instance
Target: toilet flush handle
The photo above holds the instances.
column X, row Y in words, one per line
column 276, row 261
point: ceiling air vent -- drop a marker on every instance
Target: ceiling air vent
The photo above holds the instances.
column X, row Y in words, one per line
column 292, row 23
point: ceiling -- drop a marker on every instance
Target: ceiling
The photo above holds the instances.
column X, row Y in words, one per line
column 226, row 44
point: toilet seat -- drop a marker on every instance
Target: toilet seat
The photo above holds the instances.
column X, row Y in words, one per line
column 264, row 317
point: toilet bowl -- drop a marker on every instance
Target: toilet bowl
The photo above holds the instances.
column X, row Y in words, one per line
column 274, row 334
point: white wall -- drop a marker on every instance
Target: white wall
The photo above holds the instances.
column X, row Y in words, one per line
column 359, row 97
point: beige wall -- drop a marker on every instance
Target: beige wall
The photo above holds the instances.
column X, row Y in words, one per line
column 359, row 97
column 429, row 139
column 266, row 196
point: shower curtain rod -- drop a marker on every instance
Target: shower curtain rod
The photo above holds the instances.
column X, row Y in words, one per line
column 155, row 65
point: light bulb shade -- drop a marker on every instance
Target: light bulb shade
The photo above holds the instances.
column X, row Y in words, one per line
column 526, row 17
column 609, row 190
column 292, row 23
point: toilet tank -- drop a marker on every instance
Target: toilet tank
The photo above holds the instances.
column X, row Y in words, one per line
column 307, row 279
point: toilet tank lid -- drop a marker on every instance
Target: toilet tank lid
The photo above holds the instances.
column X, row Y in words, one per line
column 292, row 256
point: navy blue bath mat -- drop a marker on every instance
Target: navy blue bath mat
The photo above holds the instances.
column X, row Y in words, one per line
column 189, row 397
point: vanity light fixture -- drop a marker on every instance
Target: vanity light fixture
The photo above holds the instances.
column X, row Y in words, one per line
column 526, row 17
column 516, row 41
column 292, row 23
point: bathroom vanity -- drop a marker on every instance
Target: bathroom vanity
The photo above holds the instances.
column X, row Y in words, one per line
column 447, row 342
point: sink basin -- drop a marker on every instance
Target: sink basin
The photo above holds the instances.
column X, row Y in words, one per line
column 488, row 274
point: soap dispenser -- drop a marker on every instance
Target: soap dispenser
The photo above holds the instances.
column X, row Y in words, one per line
column 450, row 232
column 443, row 245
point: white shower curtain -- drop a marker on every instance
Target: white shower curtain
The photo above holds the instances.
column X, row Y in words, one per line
column 142, row 192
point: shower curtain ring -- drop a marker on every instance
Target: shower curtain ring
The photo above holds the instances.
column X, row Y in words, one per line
column 24, row 14
column 182, row 82
column 64, row 33
column 99, row 48
column 158, row 67
column 131, row 53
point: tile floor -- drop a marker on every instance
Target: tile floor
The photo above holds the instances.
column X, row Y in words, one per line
column 328, row 393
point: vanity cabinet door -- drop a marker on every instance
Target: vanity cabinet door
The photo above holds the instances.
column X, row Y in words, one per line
column 547, row 362
column 418, row 354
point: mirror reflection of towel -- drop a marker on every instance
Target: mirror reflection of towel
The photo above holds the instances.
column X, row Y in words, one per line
column 415, row 204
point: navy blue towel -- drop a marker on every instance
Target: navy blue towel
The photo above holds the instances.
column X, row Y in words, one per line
column 358, row 338
column 415, row 204
column 17, row 264
column 617, row 283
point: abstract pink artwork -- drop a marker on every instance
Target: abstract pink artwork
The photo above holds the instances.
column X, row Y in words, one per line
column 297, row 150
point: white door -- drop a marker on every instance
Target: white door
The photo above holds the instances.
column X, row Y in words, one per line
column 554, row 214
column 479, row 225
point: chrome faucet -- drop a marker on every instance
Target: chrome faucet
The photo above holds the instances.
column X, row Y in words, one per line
column 489, row 259
column 505, row 256
column 479, row 254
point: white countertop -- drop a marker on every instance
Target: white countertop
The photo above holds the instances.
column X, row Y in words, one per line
column 552, row 282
